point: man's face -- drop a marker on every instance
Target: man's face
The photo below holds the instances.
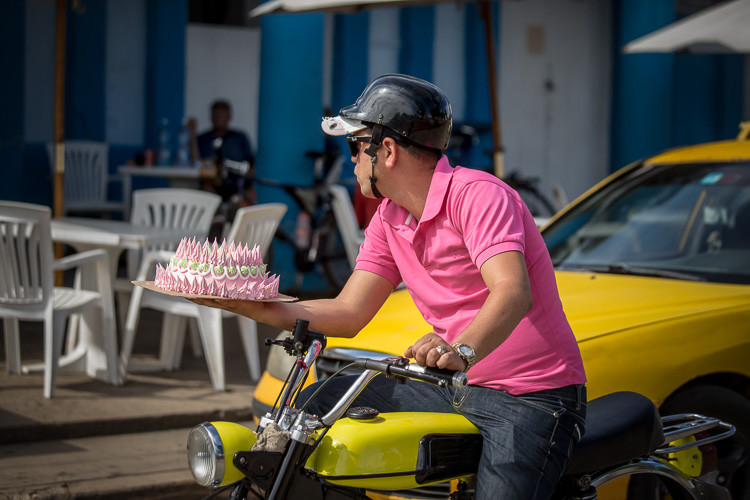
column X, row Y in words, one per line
column 361, row 160
column 220, row 117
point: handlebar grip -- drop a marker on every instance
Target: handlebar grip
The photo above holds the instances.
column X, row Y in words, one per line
column 455, row 379
column 435, row 376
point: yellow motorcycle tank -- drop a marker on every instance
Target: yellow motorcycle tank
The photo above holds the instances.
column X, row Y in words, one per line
column 393, row 451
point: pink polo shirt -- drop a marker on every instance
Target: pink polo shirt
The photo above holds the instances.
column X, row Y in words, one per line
column 469, row 217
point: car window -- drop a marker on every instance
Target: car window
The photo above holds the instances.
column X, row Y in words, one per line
column 687, row 220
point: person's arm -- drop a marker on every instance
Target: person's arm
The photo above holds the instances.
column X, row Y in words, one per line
column 507, row 303
column 192, row 126
column 343, row 316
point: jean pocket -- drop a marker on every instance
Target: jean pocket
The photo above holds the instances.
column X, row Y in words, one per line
column 551, row 405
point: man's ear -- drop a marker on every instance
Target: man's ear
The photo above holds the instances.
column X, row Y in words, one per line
column 390, row 148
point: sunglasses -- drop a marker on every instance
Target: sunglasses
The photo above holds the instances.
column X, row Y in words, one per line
column 353, row 142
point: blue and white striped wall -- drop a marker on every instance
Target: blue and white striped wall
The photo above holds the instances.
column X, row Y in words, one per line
column 573, row 107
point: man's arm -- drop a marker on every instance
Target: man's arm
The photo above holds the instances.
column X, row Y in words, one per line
column 343, row 316
column 507, row 303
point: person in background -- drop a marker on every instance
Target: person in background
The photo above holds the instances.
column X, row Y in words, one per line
column 230, row 152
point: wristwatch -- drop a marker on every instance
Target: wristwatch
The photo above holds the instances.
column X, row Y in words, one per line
column 466, row 352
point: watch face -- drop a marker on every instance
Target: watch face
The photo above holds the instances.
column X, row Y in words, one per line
column 466, row 351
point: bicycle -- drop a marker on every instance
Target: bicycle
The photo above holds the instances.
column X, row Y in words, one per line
column 465, row 137
column 316, row 239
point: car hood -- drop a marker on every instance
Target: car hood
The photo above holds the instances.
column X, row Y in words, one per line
column 596, row 304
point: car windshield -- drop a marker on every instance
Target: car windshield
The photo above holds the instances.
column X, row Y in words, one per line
column 676, row 221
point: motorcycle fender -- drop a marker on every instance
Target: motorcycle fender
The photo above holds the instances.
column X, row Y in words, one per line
column 689, row 461
column 397, row 450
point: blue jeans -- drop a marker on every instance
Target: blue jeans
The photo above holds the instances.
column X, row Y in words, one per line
column 527, row 439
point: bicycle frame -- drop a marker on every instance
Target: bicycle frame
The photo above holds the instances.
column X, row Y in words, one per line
column 316, row 234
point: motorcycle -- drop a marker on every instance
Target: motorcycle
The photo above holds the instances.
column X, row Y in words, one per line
column 351, row 452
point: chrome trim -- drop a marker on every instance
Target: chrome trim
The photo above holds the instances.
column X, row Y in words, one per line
column 218, row 451
column 312, row 353
column 656, row 466
column 687, row 424
column 350, row 354
column 348, row 398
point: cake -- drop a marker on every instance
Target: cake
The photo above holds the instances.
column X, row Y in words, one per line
column 226, row 270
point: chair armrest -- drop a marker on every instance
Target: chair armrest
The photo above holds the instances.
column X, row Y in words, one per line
column 75, row 260
column 100, row 260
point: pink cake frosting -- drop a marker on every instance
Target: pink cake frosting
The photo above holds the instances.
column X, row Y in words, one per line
column 226, row 270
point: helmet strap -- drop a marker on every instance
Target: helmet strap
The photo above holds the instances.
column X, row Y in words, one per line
column 373, row 179
column 377, row 139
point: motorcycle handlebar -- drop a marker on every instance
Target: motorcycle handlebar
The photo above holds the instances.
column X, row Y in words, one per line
column 435, row 376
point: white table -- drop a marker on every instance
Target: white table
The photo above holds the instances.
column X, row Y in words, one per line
column 179, row 177
column 114, row 237
column 83, row 233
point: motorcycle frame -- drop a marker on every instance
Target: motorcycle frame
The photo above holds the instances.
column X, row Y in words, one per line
column 303, row 429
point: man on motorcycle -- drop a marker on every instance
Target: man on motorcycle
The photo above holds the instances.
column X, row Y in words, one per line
column 469, row 252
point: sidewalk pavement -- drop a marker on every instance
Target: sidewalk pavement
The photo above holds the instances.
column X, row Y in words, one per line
column 93, row 440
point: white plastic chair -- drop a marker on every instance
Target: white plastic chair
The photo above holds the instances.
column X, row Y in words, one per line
column 190, row 210
column 346, row 220
column 173, row 208
column 27, row 291
column 254, row 225
column 87, row 178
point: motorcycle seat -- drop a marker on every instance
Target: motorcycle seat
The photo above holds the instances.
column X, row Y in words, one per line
column 619, row 427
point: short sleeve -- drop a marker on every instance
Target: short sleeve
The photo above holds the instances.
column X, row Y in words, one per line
column 375, row 253
column 489, row 215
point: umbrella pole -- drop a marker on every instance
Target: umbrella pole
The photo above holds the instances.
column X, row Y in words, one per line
column 489, row 36
column 59, row 159
column 58, row 176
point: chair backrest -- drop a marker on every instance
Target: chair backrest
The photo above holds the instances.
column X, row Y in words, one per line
column 346, row 220
column 175, row 208
column 25, row 258
column 256, row 225
column 86, row 173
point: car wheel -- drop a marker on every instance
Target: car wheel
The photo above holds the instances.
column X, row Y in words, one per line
column 733, row 452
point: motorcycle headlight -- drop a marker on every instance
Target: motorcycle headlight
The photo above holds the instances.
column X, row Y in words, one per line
column 211, row 447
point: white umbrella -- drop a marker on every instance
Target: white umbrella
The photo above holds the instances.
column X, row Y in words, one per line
column 721, row 28
column 340, row 6
column 350, row 6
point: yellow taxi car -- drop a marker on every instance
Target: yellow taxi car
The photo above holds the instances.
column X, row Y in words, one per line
column 653, row 268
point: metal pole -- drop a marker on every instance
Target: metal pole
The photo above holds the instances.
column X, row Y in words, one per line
column 489, row 36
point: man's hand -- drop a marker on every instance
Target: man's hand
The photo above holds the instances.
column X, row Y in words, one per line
column 192, row 125
column 427, row 352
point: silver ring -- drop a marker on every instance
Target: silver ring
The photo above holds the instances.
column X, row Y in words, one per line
column 441, row 349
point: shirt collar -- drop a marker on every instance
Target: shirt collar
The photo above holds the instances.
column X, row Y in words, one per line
column 397, row 216
column 438, row 189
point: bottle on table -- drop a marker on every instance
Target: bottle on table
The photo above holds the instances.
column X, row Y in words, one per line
column 165, row 144
column 183, row 145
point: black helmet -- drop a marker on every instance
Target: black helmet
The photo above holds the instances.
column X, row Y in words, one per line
column 409, row 107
